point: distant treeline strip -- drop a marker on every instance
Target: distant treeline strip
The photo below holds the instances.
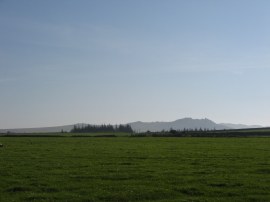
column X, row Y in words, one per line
column 213, row 133
column 101, row 128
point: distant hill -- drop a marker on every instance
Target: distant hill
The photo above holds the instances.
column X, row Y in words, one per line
column 180, row 124
column 240, row 126
column 53, row 129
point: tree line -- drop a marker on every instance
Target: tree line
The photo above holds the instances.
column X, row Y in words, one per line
column 101, row 128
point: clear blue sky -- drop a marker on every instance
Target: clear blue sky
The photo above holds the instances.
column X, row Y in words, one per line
column 64, row 62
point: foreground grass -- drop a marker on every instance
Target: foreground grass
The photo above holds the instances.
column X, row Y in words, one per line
column 134, row 169
column 97, row 134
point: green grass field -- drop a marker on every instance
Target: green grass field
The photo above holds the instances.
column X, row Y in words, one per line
column 134, row 169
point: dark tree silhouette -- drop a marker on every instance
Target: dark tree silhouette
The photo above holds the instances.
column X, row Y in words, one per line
column 101, row 128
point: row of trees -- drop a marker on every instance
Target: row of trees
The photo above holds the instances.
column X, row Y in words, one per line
column 193, row 130
column 101, row 128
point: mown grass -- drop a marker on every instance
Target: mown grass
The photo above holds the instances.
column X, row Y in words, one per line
column 65, row 134
column 134, row 169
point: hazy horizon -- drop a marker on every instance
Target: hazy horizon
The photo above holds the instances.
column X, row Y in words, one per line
column 153, row 121
column 67, row 62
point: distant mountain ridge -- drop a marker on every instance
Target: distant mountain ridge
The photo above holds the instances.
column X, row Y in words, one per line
column 180, row 124
column 53, row 129
column 240, row 126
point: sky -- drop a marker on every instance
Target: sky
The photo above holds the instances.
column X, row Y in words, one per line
column 102, row 61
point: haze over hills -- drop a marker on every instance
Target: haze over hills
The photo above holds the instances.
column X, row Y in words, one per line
column 186, row 123
column 53, row 129
column 180, row 124
column 239, row 126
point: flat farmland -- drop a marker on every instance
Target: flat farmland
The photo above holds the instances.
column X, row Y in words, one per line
column 134, row 169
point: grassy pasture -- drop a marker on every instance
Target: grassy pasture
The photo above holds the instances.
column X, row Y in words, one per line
column 65, row 134
column 134, row 169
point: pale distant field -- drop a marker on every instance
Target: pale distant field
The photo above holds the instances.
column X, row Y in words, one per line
column 134, row 169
